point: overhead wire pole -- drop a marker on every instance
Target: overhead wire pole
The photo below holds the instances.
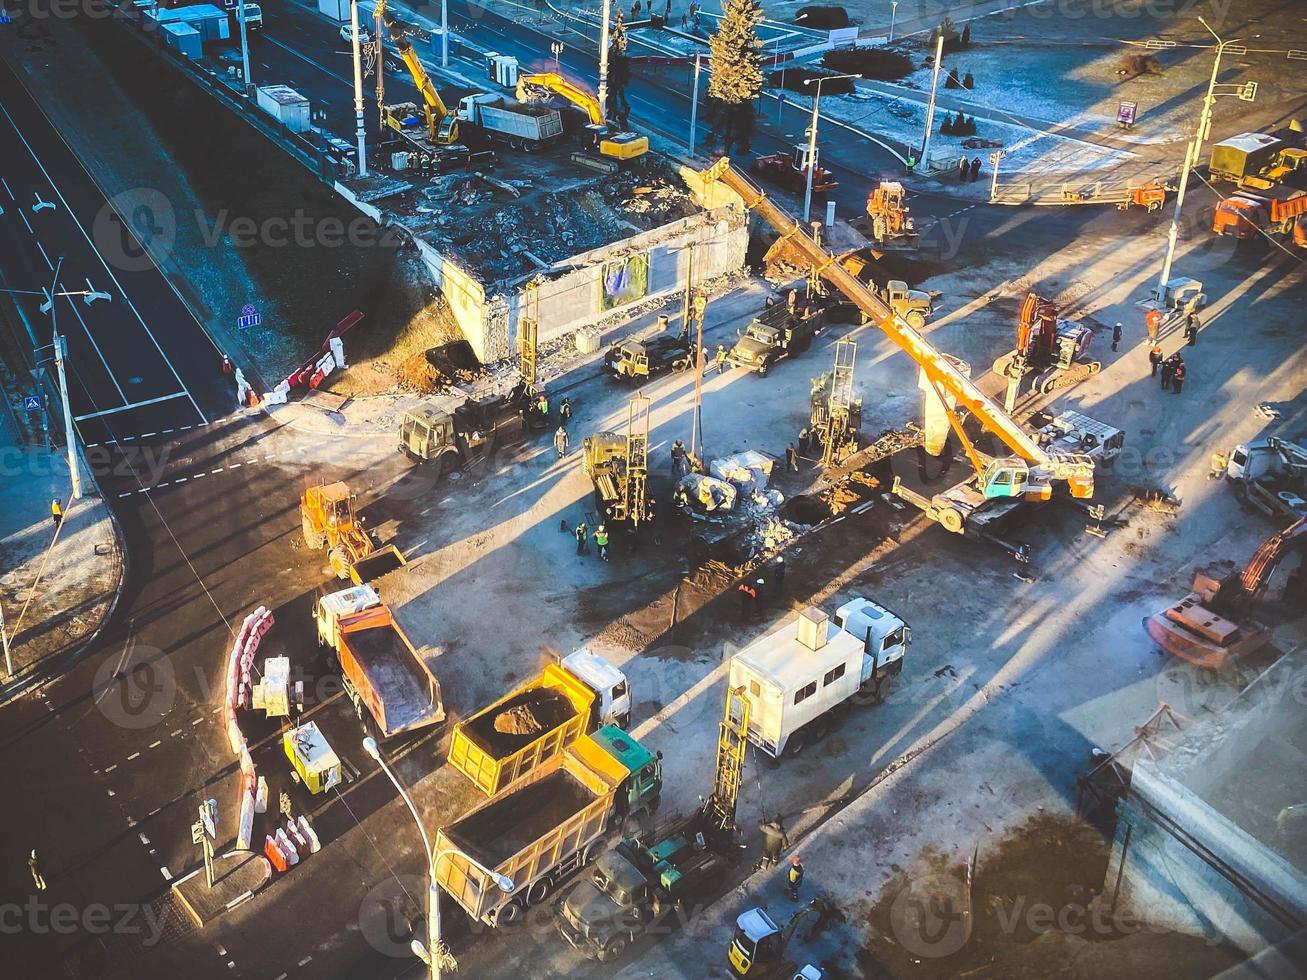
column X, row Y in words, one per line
column 1192, row 152
column 930, row 107
column 60, row 353
column 812, row 139
column 603, row 60
column 245, row 47
column 694, row 101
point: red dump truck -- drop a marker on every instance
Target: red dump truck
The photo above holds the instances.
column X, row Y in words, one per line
column 505, row 740
column 382, row 670
column 548, row 826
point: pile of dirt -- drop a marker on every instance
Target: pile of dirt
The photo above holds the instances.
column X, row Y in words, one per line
column 520, row 721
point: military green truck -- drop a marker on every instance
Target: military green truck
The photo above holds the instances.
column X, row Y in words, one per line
column 776, row 334
column 636, row 360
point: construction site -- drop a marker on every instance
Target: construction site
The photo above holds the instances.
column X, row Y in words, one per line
column 752, row 588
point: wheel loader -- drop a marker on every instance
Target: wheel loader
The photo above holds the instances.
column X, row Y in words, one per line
column 330, row 523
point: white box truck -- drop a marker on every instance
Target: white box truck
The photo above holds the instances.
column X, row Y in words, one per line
column 798, row 677
column 285, row 105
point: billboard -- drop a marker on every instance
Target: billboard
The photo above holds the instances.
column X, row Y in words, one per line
column 624, row 280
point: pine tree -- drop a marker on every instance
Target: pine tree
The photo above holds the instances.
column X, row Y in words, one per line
column 736, row 65
column 619, row 73
column 966, row 35
column 947, row 126
column 617, row 36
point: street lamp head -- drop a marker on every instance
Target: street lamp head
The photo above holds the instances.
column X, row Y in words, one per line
column 370, row 747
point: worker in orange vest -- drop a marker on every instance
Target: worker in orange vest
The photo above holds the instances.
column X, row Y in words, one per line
column 1153, row 321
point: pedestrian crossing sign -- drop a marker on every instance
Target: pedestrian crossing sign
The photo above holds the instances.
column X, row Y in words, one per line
column 32, row 403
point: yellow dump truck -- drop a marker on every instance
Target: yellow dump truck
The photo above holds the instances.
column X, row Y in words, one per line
column 540, row 832
column 504, row 741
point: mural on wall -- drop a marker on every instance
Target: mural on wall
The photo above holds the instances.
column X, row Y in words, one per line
column 625, row 280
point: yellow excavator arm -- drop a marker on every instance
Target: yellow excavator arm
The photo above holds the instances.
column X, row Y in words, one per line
column 442, row 126
column 1077, row 470
column 621, row 146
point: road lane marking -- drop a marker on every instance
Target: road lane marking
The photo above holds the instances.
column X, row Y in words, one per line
column 167, row 875
column 99, row 353
column 134, row 755
column 111, row 769
column 124, row 408
column 156, row 744
column 7, row 190
column 77, row 221
column 26, row 222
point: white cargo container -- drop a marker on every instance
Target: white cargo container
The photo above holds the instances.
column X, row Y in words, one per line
column 285, row 105
column 209, row 20
column 184, row 39
column 337, row 10
column 798, row 676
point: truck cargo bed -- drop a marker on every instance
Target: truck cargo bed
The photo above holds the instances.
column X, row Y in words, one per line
column 506, row 826
column 534, row 713
column 393, row 671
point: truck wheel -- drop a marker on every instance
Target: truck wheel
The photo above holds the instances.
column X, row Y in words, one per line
column 540, row 890
column 951, row 520
column 797, row 743
column 510, row 914
column 915, row 319
column 312, row 538
column 613, row 949
column 339, row 565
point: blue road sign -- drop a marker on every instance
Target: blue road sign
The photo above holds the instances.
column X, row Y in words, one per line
column 249, row 317
column 4, row 15
column 32, row 403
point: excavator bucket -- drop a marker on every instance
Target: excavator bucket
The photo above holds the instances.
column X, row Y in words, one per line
column 377, row 564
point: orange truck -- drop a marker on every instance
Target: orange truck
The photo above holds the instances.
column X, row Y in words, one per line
column 1245, row 215
column 382, row 670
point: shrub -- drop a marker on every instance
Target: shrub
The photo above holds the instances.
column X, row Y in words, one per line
column 1137, row 63
column 952, row 39
column 877, row 63
column 968, row 81
column 952, row 80
column 947, row 127
column 822, row 18
column 966, row 35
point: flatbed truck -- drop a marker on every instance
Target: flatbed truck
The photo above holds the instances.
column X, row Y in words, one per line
column 549, row 825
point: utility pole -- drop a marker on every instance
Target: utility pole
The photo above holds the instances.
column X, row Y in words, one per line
column 245, row 49
column 359, row 126
column 444, row 33
column 603, row 61
column 4, row 636
column 893, row 16
column 60, row 354
column 694, row 101
column 696, row 430
column 930, row 108
column 1192, row 153
column 381, row 70
column 812, row 139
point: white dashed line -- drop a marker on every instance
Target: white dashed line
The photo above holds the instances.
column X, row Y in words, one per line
column 167, row 875
column 196, row 722
column 218, row 470
column 111, row 769
column 156, row 744
column 181, row 479
column 134, row 755
column 233, row 466
column 146, row 435
column 303, row 961
column 176, row 733
column 144, row 840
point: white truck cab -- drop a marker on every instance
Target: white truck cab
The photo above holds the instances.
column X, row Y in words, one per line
column 330, row 609
column 613, row 691
column 799, row 675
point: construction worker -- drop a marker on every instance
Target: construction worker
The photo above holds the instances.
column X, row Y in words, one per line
column 778, row 572
column 1155, row 358
column 1177, row 375
column 1220, row 463
column 582, row 535
column 542, row 405
column 805, row 441
column 774, row 840
column 565, row 411
column 748, row 599
column 560, row 441
column 794, row 878
column 769, row 302
column 1191, row 329
column 791, row 458
column 721, row 358
column 1116, row 337
column 601, row 541
column 680, row 499
column 678, row 460
column 791, row 299
column 1153, row 321
column 1168, row 372
column 975, row 169
column 56, row 512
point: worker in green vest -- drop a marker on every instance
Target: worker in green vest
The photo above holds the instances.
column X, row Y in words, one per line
column 601, row 541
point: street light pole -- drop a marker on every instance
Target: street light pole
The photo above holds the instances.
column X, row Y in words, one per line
column 893, row 16
column 444, row 33
column 359, row 127
column 503, row 882
column 694, row 101
column 603, row 61
column 930, row 108
column 812, row 139
column 245, row 49
column 1191, row 155
column 60, row 353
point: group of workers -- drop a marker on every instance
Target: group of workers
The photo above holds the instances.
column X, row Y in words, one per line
column 583, row 537
column 1171, row 369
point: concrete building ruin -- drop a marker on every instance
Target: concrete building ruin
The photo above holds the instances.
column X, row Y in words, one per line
column 560, row 244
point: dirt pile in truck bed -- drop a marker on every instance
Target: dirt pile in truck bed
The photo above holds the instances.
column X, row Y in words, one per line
column 520, row 721
column 502, row 828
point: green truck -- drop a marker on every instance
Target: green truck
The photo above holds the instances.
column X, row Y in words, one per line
column 549, row 825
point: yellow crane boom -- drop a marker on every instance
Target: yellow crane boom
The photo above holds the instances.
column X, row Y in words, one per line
column 1076, row 469
column 442, row 126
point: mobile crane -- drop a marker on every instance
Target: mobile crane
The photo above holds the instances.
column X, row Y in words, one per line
column 618, row 146
column 442, row 125
column 998, row 482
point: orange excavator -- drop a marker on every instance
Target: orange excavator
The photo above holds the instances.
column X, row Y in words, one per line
column 1214, row 623
column 1050, row 347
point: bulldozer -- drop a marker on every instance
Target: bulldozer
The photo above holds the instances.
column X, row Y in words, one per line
column 329, row 520
column 892, row 226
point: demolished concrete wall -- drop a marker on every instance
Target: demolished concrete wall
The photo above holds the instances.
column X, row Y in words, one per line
column 572, row 294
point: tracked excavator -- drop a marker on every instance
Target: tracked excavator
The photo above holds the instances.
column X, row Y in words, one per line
column 616, row 145
column 1052, row 349
column 441, row 124
column 1214, row 623
column 998, row 483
